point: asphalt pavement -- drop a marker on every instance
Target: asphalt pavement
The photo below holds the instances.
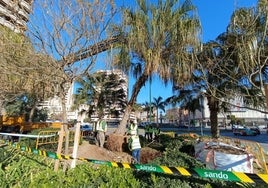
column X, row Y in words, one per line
column 262, row 139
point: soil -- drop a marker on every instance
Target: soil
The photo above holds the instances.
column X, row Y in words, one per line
column 91, row 151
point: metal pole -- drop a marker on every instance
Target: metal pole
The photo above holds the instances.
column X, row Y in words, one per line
column 201, row 106
column 150, row 99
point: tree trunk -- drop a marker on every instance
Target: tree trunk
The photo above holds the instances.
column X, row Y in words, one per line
column 32, row 111
column 157, row 123
column 214, row 124
column 214, row 109
column 266, row 96
column 136, row 89
column 60, row 143
column 120, row 131
column 64, row 129
column 122, row 127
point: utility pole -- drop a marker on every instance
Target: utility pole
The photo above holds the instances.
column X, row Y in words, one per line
column 201, row 101
column 150, row 99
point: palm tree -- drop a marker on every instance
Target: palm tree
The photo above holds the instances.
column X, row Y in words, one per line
column 103, row 93
column 158, row 103
column 232, row 65
column 192, row 106
column 214, row 78
column 244, row 50
column 147, row 109
column 249, row 28
column 188, row 98
column 159, row 40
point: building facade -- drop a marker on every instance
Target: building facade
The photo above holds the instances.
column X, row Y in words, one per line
column 54, row 107
column 14, row 14
column 113, row 109
column 185, row 117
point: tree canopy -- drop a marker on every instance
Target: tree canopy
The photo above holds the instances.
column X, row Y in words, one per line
column 160, row 38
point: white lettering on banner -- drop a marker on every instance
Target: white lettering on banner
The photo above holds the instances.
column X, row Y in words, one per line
column 150, row 168
column 216, row 175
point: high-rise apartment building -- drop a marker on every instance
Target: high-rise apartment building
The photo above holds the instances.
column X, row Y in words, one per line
column 14, row 14
column 53, row 105
column 115, row 105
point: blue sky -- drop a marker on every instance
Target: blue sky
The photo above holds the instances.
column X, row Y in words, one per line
column 215, row 16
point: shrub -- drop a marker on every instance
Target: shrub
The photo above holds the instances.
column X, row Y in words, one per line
column 22, row 169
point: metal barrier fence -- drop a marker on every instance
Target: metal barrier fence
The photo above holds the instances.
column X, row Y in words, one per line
column 42, row 138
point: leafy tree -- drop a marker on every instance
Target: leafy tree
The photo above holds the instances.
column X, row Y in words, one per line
column 23, row 105
column 248, row 28
column 102, row 91
column 234, row 65
column 159, row 40
column 24, row 71
column 147, row 109
column 60, row 29
column 187, row 98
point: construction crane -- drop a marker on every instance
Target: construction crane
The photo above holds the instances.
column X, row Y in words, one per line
column 90, row 50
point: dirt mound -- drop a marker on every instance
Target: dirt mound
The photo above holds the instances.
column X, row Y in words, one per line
column 148, row 154
column 91, row 151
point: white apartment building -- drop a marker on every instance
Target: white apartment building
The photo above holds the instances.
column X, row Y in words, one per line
column 113, row 120
column 54, row 104
column 238, row 111
column 14, row 14
column 248, row 115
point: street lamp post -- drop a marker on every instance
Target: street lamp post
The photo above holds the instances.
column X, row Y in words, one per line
column 161, row 117
column 201, row 101
column 150, row 99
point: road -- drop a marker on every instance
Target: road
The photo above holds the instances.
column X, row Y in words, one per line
column 262, row 139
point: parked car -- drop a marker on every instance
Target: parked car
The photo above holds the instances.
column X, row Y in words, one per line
column 256, row 129
column 85, row 129
column 143, row 124
column 237, row 126
column 183, row 126
column 245, row 131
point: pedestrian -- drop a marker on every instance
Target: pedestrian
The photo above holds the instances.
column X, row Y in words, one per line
column 134, row 146
column 146, row 132
column 101, row 129
column 150, row 132
column 132, row 128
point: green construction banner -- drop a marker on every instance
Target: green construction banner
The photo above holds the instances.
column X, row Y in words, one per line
column 203, row 173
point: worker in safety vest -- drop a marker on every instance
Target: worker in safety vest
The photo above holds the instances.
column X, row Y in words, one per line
column 101, row 129
column 132, row 128
column 134, row 146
